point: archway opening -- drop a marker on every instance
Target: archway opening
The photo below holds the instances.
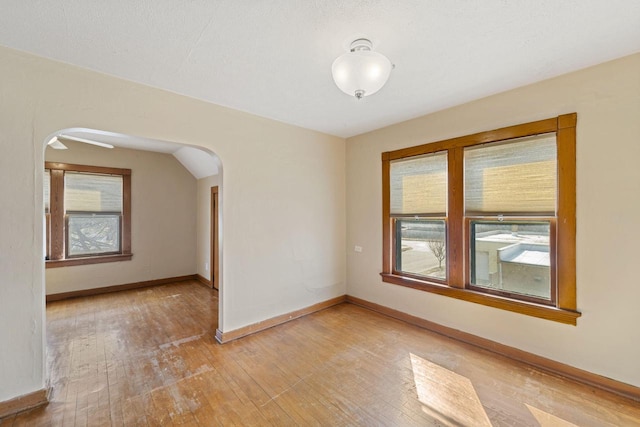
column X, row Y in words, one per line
column 171, row 215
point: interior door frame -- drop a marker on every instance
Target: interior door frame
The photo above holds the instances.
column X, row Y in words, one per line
column 215, row 247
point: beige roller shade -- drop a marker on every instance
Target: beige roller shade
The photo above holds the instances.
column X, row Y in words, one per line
column 518, row 176
column 92, row 193
column 419, row 185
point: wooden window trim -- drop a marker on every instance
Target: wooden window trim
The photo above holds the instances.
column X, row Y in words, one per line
column 57, row 220
column 86, row 168
column 564, row 264
column 100, row 259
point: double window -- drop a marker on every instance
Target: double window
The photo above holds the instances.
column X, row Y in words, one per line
column 488, row 218
column 87, row 214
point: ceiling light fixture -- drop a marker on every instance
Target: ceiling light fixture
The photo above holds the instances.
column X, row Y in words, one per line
column 361, row 71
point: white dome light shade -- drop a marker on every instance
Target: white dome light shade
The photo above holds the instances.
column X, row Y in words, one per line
column 361, row 72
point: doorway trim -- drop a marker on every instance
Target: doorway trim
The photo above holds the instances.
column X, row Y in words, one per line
column 215, row 247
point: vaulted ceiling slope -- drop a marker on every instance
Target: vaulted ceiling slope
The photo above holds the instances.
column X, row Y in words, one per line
column 273, row 58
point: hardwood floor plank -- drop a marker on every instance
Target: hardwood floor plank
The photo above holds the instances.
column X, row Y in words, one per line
column 133, row 412
column 7, row 421
column 148, row 357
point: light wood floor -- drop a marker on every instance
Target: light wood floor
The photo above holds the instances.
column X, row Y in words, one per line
column 148, row 357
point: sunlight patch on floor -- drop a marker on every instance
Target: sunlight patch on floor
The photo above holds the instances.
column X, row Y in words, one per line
column 546, row 419
column 452, row 400
column 448, row 397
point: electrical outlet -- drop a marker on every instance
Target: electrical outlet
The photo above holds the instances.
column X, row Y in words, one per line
column 357, row 248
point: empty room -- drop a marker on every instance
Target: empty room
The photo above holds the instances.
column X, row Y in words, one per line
column 319, row 213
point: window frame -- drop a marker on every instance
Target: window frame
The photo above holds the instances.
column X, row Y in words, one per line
column 57, row 218
column 563, row 307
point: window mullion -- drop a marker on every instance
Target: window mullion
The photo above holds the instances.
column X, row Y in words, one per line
column 455, row 217
column 57, row 215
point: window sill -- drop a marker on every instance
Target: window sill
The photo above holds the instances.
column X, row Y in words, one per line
column 87, row 260
column 530, row 309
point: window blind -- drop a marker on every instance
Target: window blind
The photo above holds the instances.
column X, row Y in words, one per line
column 419, row 185
column 92, row 192
column 518, row 176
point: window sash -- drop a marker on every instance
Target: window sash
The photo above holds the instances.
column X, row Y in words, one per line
column 397, row 254
column 94, row 241
column 525, row 221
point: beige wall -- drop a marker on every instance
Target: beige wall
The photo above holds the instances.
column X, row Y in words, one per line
column 283, row 206
column 607, row 100
column 284, row 203
column 163, row 219
column 204, row 266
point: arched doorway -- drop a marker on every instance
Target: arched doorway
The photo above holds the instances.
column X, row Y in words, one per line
column 150, row 162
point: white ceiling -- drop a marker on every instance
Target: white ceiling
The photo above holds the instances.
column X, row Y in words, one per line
column 273, row 57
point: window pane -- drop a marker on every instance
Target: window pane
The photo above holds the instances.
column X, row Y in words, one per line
column 516, row 176
column 421, row 249
column 511, row 257
column 93, row 234
column 419, row 185
column 92, row 193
